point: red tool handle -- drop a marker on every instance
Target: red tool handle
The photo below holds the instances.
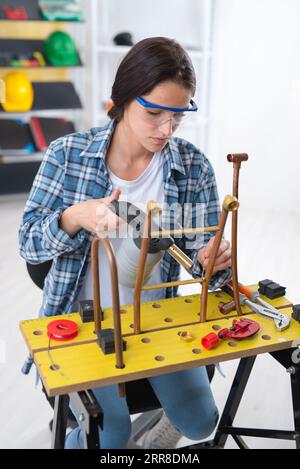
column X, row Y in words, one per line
column 242, row 289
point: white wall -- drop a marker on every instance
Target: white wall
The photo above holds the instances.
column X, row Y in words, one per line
column 255, row 100
column 178, row 19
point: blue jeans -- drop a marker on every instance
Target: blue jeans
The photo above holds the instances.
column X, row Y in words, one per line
column 185, row 396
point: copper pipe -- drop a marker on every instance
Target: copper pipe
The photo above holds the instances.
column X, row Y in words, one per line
column 207, row 229
column 180, row 257
column 141, row 269
column 115, row 295
column 230, row 203
column 237, row 160
column 96, row 287
column 122, row 389
column 172, row 284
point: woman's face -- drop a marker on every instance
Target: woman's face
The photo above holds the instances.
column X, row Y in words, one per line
column 152, row 128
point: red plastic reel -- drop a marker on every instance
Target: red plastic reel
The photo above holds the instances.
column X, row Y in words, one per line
column 62, row 330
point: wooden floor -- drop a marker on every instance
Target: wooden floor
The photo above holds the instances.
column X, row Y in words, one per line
column 265, row 251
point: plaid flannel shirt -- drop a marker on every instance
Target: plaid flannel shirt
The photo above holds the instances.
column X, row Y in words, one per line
column 74, row 170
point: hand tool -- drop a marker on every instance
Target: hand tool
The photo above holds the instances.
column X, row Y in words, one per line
column 249, row 298
column 226, row 308
column 241, row 329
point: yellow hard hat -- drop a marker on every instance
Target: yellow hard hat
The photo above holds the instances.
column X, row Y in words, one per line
column 18, row 92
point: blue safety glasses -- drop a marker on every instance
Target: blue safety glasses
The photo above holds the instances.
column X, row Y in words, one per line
column 192, row 107
column 155, row 114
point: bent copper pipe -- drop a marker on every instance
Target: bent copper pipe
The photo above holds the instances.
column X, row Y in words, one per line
column 141, row 268
column 237, row 160
column 115, row 295
column 230, row 204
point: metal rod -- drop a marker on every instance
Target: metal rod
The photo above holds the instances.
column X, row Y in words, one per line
column 172, row 284
column 96, row 286
column 141, row 269
column 259, row 432
column 115, row 295
column 237, row 160
column 234, row 398
column 208, row 229
column 122, row 389
column 116, row 303
column 230, row 203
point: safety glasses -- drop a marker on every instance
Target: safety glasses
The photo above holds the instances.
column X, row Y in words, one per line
column 156, row 114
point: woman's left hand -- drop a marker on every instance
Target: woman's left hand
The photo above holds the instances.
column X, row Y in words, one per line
column 223, row 260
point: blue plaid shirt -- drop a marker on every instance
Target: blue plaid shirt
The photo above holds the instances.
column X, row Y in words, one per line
column 73, row 170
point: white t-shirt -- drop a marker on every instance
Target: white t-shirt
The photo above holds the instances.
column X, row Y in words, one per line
column 148, row 186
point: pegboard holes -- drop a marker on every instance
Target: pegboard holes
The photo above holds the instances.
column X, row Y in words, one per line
column 54, row 367
column 219, row 295
column 266, row 337
column 159, row 358
column 146, row 340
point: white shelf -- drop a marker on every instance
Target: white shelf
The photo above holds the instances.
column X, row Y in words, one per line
column 122, row 50
column 106, row 56
column 30, row 158
column 113, row 49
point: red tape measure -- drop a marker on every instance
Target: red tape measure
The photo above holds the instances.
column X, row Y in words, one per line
column 62, row 330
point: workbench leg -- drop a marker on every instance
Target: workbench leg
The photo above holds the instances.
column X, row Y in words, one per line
column 90, row 416
column 59, row 426
column 290, row 359
column 233, row 401
column 295, row 383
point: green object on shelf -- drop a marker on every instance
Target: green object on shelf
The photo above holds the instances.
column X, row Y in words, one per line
column 60, row 49
column 15, row 63
column 55, row 10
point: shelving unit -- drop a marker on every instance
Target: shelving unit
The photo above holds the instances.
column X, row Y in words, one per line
column 194, row 32
column 28, row 46
column 32, row 10
column 17, row 171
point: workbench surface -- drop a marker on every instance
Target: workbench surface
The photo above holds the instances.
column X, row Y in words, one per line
column 80, row 364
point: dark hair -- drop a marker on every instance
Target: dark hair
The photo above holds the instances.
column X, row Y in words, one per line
column 149, row 62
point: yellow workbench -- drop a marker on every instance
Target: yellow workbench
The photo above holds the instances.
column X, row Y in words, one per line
column 80, row 364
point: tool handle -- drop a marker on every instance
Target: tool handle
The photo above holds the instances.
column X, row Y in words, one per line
column 226, row 288
column 135, row 216
column 242, row 289
column 127, row 211
column 226, row 308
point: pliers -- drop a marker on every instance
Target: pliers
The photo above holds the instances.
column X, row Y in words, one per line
column 251, row 299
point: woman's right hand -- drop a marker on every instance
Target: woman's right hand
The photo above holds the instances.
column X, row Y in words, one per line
column 93, row 215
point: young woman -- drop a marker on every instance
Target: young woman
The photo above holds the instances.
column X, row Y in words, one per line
column 133, row 157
